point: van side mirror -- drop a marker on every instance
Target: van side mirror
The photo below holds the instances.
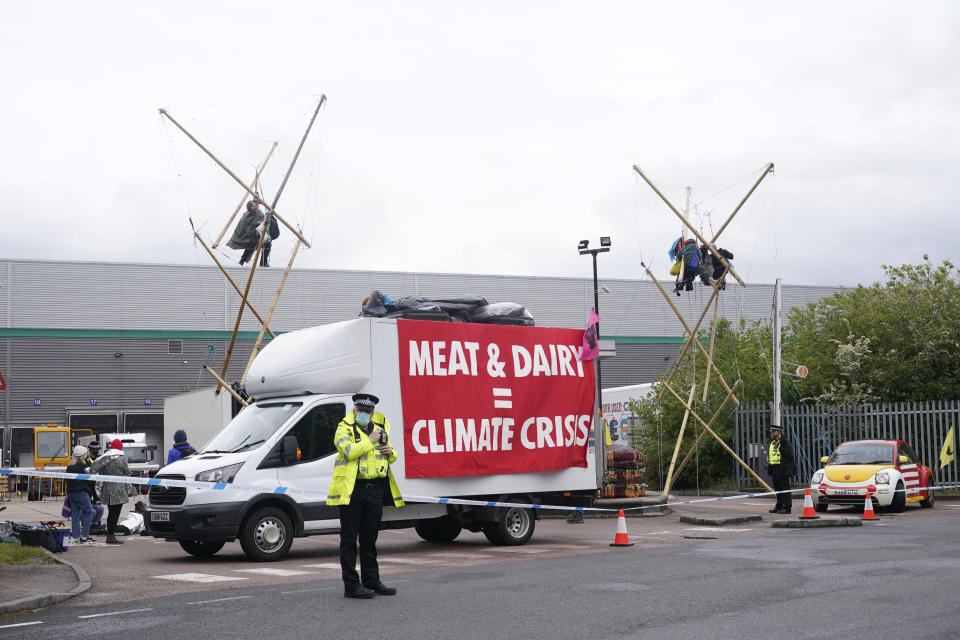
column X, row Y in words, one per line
column 824, row 459
column 289, row 450
column 904, row 459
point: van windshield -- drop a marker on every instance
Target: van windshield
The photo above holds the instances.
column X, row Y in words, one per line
column 252, row 426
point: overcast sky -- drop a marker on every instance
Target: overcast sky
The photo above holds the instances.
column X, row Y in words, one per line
column 488, row 137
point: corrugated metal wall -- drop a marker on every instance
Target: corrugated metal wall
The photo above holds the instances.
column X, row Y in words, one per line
column 67, row 372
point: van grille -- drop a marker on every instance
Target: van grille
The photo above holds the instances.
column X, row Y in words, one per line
column 160, row 495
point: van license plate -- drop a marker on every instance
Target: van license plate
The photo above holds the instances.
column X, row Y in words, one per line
column 160, row 516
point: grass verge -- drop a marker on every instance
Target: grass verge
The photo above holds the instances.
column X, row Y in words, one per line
column 12, row 553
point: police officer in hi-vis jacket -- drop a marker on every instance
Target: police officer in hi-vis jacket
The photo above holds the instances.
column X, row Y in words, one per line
column 780, row 465
column 362, row 484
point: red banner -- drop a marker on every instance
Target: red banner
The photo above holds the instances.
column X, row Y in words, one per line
column 483, row 399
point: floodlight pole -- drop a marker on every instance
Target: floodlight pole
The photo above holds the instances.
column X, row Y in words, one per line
column 599, row 438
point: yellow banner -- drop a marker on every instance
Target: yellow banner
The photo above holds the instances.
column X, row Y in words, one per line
column 947, row 451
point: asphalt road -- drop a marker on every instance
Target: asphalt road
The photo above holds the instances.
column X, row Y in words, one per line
column 894, row 578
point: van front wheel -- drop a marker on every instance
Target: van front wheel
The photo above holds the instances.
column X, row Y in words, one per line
column 200, row 548
column 515, row 527
column 266, row 535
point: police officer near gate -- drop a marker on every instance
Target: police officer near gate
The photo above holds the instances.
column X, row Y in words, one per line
column 362, row 484
column 780, row 466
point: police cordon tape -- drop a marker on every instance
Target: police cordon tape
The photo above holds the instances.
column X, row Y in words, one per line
column 221, row 486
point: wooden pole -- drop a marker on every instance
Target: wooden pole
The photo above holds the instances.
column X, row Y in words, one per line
column 222, row 382
column 715, row 436
column 683, row 351
column 683, row 239
column 703, row 434
column 231, row 281
column 713, row 343
column 276, row 298
column 676, row 448
column 252, row 193
column 243, row 198
column 756, row 184
column 702, row 240
column 246, row 292
column 690, row 331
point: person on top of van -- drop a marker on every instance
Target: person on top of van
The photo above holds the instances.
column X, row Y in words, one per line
column 181, row 448
column 361, row 481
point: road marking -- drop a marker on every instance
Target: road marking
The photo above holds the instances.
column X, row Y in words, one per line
column 324, row 565
column 458, row 556
column 115, row 613
column 283, row 593
column 408, row 560
column 275, row 572
column 19, row 624
column 705, row 529
column 519, row 550
column 198, row 577
column 657, row 533
column 220, row 600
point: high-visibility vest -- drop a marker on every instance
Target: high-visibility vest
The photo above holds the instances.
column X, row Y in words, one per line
column 357, row 457
column 774, row 452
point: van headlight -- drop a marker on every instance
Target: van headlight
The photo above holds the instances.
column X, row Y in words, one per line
column 883, row 478
column 220, row 474
column 817, row 477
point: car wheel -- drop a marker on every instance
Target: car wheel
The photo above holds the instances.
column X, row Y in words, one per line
column 515, row 527
column 899, row 502
column 266, row 535
column 438, row 530
column 200, row 548
column 926, row 504
column 821, row 507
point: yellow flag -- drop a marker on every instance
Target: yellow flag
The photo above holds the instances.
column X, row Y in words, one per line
column 606, row 430
column 947, row 452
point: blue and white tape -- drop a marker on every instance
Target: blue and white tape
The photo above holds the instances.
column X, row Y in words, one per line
column 221, row 486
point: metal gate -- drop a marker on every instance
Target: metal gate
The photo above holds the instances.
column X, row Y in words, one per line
column 816, row 431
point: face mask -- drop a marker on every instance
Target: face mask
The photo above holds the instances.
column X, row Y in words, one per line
column 363, row 419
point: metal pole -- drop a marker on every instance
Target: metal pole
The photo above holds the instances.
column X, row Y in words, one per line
column 601, row 439
column 777, row 406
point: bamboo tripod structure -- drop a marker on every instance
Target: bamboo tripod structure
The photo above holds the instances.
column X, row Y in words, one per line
column 250, row 190
column 711, row 369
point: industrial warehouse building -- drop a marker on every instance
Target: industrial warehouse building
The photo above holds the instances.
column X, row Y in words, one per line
column 100, row 345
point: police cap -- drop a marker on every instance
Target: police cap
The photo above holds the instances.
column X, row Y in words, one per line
column 365, row 400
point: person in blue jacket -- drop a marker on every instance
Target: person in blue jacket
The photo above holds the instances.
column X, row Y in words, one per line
column 181, row 448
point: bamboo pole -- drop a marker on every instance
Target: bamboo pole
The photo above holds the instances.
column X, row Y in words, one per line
column 231, row 281
column 243, row 198
column 221, row 381
column 716, row 437
column 676, row 449
column 756, row 184
column 246, row 292
column 273, row 305
column 690, row 331
column 696, row 233
column 683, row 239
column 252, row 193
column 713, row 343
column 703, row 434
column 683, row 350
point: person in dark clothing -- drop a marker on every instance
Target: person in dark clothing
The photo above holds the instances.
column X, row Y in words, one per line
column 181, row 448
column 247, row 234
column 780, row 466
column 96, row 525
column 79, row 493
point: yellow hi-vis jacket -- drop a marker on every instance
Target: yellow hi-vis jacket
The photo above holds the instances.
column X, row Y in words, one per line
column 357, row 456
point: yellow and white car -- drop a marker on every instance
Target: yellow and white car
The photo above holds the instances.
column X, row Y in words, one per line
column 888, row 469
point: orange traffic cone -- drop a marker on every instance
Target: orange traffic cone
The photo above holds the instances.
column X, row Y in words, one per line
column 808, row 512
column 621, row 539
column 868, row 509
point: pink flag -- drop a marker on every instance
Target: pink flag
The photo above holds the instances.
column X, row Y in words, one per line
column 591, row 339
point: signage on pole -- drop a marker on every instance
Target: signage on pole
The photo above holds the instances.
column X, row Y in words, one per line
column 802, row 371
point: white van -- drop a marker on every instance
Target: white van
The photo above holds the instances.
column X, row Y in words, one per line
column 477, row 411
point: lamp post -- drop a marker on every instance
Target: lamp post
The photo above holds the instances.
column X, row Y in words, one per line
column 584, row 248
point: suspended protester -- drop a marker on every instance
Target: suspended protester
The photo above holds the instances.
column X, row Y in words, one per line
column 711, row 269
column 780, row 466
column 362, row 484
column 684, row 252
column 247, row 234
